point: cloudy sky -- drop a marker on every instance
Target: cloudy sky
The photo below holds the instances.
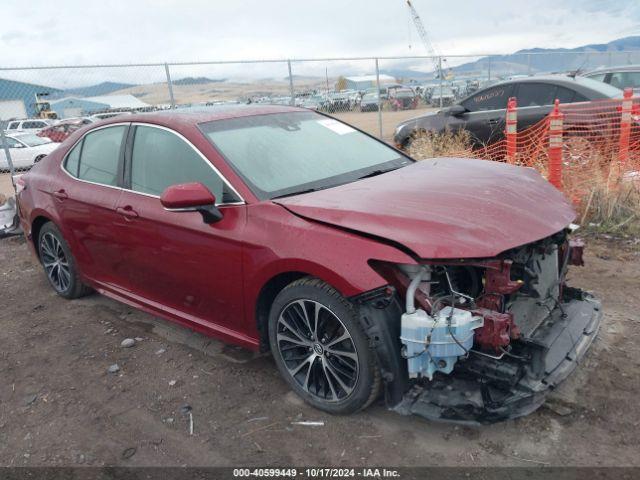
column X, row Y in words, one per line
column 67, row 32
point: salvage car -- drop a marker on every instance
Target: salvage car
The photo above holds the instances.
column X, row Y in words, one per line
column 624, row 76
column 483, row 113
column 61, row 130
column 33, row 125
column 369, row 102
column 277, row 228
column 25, row 150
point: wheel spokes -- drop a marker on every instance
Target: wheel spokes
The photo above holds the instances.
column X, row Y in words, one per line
column 317, row 350
column 55, row 262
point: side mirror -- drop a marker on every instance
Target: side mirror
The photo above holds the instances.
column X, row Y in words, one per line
column 455, row 110
column 191, row 197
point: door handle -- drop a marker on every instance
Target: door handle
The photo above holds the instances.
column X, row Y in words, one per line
column 494, row 121
column 60, row 194
column 127, row 211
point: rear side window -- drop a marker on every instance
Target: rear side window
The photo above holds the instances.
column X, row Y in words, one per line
column 536, row 94
column 72, row 163
column 100, row 155
column 494, row 98
column 161, row 158
column 13, row 126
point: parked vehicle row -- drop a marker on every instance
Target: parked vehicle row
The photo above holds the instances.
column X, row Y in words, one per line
column 483, row 113
column 25, row 149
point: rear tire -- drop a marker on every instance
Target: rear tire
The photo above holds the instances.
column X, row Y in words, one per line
column 321, row 349
column 59, row 264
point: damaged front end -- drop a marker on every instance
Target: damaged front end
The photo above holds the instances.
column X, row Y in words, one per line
column 481, row 340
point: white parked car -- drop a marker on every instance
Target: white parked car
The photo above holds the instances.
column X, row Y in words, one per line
column 33, row 125
column 25, row 150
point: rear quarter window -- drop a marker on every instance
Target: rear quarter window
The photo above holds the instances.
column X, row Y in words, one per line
column 100, row 155
column 494, row 98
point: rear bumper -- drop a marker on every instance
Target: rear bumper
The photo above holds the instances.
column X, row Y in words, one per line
column 483, row 390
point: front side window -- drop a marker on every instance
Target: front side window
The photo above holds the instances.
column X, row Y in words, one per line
column 101, row 154
column 624, row 80
column 536, row 94
column 285, row 153
column 13, row 143
column 161, row 158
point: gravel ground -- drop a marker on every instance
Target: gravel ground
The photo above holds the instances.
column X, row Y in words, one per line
column 60, row 406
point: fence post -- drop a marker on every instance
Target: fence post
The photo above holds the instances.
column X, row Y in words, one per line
column 512, row 129
column 292, row 102
column 7, row 153
column 555, row 146
column 625, row 126
column 170, row 85
column 440, row 75
column 379, row 102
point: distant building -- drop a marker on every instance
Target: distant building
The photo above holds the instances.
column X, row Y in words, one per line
column 362, row 82
column 79, row 106
column 18, row 99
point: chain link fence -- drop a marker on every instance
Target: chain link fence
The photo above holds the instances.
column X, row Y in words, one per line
column 41, row 106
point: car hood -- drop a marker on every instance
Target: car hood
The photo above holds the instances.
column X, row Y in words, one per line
column 444, row 207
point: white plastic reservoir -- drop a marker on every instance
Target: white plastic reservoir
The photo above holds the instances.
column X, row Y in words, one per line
column 435, row 343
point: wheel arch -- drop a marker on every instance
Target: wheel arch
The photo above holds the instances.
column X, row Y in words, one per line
column 36, row 225
column 266, row 296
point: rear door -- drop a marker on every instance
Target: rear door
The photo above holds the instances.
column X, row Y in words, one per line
column 174, row 260
column 535, row 101
column 85, row 200
column 485, row 117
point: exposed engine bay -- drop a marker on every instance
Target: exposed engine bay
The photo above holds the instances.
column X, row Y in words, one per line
column 483, row 340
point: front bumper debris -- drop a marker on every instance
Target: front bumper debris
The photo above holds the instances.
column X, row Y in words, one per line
column 484, row 390
column 9, row 221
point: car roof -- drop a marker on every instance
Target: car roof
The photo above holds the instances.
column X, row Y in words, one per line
column 592, row 89
column 620, row 68
column 198, row 115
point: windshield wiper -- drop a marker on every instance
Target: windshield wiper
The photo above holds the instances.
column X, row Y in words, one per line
column 299, row 192
column 375, row 173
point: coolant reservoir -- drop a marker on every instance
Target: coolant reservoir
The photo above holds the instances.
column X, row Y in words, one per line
column 434, row 343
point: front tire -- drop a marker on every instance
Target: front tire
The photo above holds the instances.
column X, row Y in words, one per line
column 59, row 264
column 320, row 348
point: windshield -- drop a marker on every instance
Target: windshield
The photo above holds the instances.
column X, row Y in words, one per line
column 286, row 153
column 32, row 140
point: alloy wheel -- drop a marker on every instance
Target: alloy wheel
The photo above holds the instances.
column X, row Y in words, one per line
column 55, row 262
column 317, row 350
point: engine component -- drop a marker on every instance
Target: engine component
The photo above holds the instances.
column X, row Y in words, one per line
column 432, row 344
column 497, row 331
column 498, row 278
column 576, row 250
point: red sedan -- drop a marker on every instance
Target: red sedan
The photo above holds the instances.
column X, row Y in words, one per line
column 277, row 228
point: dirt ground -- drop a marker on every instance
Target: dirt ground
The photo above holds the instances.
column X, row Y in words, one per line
column 60, row 406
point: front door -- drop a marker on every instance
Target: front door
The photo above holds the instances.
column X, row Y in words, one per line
column 174, row 260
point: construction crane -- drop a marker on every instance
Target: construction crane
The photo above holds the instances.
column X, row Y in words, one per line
column 424, row 36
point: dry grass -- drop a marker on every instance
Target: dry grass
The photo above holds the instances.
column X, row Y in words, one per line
column 447, row 144
column 607, row 197
column 611, row 203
